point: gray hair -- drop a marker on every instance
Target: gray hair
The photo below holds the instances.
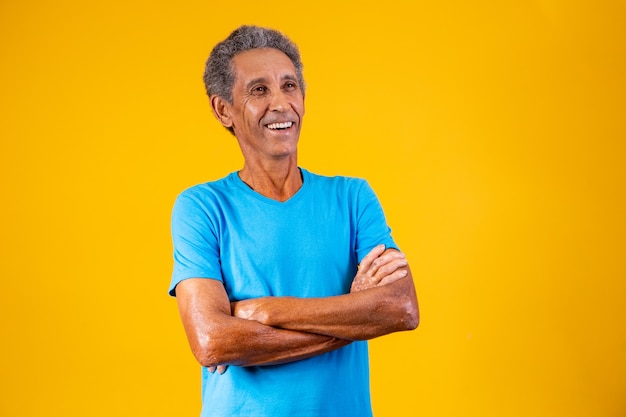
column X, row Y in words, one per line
column 219, row 76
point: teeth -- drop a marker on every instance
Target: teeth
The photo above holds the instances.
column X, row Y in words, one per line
column 283, row 125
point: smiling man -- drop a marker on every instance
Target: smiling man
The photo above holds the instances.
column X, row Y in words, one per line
column 281, row 275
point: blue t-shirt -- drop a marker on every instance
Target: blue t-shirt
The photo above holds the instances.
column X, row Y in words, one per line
column 307, row 246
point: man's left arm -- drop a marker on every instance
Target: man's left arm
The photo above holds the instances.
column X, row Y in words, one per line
column 382, row 300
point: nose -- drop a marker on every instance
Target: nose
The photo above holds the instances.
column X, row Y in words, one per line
column 279, row 101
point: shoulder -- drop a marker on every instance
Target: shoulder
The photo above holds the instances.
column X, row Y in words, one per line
column 206, row 191
column 340, row 183
column 203, row 198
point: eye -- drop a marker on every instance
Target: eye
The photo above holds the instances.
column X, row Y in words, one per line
column 291, row 86
column 259, row 89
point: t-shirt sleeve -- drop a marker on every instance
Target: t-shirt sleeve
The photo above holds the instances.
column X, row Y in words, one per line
column 372, row 228
column 196, row 251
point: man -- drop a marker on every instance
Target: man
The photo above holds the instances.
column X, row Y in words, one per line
column 281, row 275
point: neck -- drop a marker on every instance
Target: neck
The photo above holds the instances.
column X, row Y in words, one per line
column 278, row 182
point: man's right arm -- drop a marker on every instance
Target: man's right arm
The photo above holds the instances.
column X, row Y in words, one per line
column 217, row 338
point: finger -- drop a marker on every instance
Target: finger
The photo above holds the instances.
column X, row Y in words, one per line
column 393, row 277
column 366, row 262
column 212, row 368
column 390, row 255
column 389, row 268
column 384, row 260
column 221, row 369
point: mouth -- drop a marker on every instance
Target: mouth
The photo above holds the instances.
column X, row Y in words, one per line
column 279, row 125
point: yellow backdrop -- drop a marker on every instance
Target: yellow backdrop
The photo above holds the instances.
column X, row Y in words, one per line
column 492, row 131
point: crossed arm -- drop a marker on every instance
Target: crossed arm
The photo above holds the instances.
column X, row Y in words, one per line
column 274, row 330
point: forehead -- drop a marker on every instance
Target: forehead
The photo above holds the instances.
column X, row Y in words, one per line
column 262, row 63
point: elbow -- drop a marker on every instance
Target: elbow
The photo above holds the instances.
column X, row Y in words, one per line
column 400, row 315
column 411, row 316
column 410, row 307
column 208, row 351
column 206, row 361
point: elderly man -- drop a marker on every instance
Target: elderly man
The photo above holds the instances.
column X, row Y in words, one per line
column 281, row 275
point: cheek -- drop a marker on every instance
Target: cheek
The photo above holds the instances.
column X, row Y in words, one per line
column 252, row 113
column 300, row 107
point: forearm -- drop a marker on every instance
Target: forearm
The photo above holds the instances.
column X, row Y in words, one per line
column 233, row 341
column 216, row 337
column 356, row 316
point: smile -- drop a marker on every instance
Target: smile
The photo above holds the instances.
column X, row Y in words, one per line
column 278, row 126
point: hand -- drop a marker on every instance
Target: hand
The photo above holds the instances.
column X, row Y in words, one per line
column 379, row 267
column 219, row 368
column 250, row 309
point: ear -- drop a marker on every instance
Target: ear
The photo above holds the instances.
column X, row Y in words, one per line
column 221, row 111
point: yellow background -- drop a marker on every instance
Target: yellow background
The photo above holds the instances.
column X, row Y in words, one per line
column 492, row 131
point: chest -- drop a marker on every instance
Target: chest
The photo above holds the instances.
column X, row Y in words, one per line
column 305, row 250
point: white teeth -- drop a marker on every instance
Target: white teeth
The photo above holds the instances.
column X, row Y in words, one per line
column 283, row 125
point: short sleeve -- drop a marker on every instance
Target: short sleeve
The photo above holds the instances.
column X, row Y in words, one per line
column 372, row 228
column 196, row 251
